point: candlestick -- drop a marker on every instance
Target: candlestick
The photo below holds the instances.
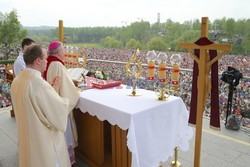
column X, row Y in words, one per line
column 162, row 72
column 162, row 60
column 175, row 61
column 151, row 56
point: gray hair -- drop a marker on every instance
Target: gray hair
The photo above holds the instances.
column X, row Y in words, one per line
column 55, row 51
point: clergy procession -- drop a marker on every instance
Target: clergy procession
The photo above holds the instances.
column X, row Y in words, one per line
column 145, row 94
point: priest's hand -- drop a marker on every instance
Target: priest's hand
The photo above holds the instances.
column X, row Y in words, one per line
column 75, row 82
column 56, row 84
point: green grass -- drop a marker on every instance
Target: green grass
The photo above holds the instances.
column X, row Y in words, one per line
column 10, row 61
column 85, row 45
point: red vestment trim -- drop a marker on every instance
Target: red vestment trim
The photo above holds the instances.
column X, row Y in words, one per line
column 50, row 59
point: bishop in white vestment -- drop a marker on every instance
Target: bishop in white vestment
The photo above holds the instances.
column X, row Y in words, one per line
column 55, row 67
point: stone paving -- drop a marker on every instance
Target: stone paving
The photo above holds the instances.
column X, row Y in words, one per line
column 226, row 148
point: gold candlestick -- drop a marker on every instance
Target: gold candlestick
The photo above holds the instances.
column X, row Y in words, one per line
column 135, row 73
column 175, row 163
column 161, row 90
column 151, row 56
column 175, row 61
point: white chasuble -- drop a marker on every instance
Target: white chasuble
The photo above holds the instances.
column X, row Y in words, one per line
column 41, row 116
column 67, row 89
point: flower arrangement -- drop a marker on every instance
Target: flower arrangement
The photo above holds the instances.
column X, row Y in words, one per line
column 101, row 75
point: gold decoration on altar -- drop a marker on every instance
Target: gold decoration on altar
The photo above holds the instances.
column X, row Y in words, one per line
column 175, row 60
column 82, row 58
column 161, row 88
column 75, row 59
column 71, row 57
column 82, row 61
column 151, row 57
column 135, row 72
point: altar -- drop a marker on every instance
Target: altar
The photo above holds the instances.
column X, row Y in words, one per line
column 121, row 131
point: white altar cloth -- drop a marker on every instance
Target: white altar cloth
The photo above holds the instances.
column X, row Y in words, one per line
column 154, row 127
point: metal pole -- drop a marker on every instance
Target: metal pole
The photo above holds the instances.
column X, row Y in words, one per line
column 175, row 163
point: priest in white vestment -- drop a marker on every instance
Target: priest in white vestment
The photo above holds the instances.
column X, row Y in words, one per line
column 19, row 63
column 55, row 67
column 41, row 114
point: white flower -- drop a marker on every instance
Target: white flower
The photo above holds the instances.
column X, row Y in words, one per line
column 98, row 74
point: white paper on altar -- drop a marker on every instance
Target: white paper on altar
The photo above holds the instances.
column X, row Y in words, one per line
column 154, row 127
column 76, row 73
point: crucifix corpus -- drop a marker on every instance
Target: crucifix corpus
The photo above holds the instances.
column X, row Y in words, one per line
column 204, row 53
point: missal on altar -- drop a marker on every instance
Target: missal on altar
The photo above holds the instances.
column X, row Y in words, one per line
column 76, row 74
column 104, row 84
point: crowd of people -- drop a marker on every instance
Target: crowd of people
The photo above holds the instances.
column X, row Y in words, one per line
column 9, row 52
column 116, row 70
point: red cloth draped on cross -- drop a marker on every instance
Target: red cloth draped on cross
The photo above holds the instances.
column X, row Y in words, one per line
column 215, row 113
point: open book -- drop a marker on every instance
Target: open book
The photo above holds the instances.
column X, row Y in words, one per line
column 77, row 73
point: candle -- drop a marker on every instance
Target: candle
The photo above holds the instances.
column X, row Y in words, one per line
column 151, row 69
column 162, row 61
column 175, row 61
column 151, row 56
column 175, row 75
column 162, row 72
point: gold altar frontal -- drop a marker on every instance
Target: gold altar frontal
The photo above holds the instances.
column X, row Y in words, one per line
column 101, row 144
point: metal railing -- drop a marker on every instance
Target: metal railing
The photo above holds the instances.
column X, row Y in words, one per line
column 145, row 65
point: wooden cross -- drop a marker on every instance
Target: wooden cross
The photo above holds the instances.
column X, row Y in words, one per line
column 204, row 84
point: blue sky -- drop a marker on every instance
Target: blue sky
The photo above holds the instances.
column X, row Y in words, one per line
column 90, row 13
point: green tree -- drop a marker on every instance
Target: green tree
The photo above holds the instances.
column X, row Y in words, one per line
column 137, row 30
column 196, row 24
column 230, row 27
column 172, row 33
column 111, row 42
column 246, row 47
column 173, row 30
column 133, row 44
column 237, row 49
column 156, row 43
column 191, row 35
column 10, row 30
